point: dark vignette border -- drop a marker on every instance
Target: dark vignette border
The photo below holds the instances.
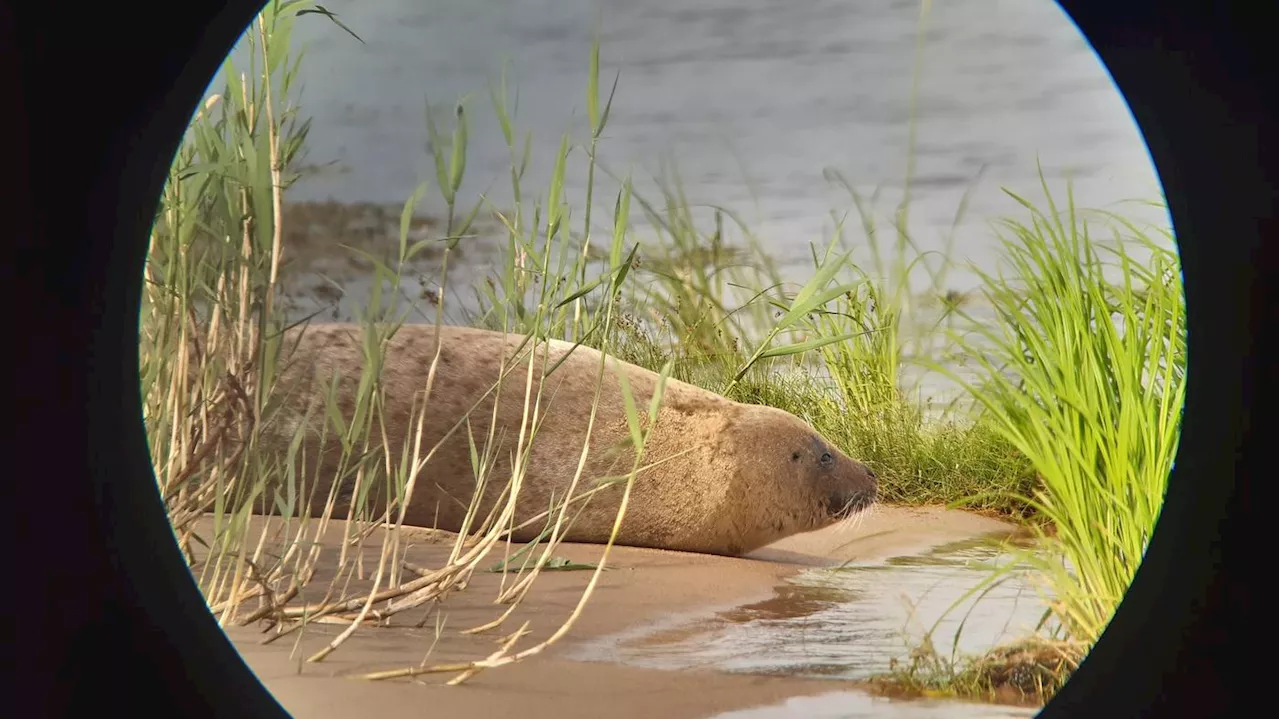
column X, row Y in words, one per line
column 96, row 99
column 1193, row 76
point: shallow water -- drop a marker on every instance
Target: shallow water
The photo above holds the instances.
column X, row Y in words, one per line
column 848, row 622
column 858, row 705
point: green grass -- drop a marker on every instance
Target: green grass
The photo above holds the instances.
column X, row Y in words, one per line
column 1085, row 376
column 1072, row 425
column 1024, row 672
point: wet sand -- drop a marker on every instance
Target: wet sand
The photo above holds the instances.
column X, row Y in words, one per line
column 639, row 586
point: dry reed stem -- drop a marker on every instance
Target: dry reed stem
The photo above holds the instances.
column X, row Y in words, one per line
column 277, row 192
column 477, row 667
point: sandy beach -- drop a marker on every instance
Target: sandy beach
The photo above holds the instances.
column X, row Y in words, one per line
column 640, row 586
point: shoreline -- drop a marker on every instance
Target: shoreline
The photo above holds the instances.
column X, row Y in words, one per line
column 638, row 587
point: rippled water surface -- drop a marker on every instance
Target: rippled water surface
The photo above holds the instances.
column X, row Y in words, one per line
column 753, row 98
column 757, row 102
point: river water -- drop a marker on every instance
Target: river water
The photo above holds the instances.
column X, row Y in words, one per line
column 752, row 99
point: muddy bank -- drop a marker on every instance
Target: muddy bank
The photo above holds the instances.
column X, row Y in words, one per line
column 330, row 248
column 640, row 586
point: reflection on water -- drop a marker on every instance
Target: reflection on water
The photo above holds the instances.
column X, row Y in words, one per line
column 850, row 622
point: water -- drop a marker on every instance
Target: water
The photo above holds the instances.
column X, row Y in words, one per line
column 754, row 98
column 857, row 705
column 846, row 623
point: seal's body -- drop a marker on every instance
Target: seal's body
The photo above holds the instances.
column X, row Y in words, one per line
column 735, row 477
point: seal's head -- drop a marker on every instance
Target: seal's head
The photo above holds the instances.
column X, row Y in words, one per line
column 797, row 481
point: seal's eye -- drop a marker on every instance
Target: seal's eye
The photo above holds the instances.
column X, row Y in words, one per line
column 827, row 458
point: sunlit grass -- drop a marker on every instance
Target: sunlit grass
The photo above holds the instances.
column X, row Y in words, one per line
column 1084, row 374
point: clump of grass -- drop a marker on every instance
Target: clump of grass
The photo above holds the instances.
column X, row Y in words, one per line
column 1082, row 379
column 212, row 352
column 836, row 364
column 209, row 307
column 1024, row 672
column 1085, row 376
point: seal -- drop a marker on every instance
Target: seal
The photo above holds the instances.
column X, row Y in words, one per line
column 717, row 476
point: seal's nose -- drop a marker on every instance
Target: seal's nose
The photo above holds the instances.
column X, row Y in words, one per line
column 844, row 504
column 855, row 489
column 865, row 496
column 871, row 481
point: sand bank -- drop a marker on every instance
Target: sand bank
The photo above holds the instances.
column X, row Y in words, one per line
column 641, row 585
